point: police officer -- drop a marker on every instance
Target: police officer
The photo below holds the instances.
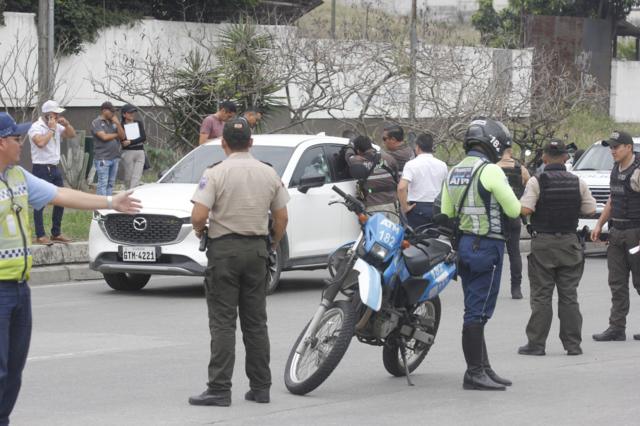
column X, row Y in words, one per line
column 555, row 199
column 236, row 196
column 18, row 190
column 375, row 173
column 477, row 193
column 623, row 213
column 517, row 177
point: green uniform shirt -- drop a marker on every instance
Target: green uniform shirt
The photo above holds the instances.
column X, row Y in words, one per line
column 488, row 198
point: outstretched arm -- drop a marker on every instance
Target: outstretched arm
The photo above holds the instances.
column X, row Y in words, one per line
column 122, row 202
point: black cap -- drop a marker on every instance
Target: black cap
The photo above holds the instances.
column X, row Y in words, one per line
column 555, row 147
column 107, row 105
column 128, row 108
column 618, row 137
column 236, row 130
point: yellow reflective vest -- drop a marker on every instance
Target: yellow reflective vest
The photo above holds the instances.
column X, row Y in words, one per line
column 15, row 234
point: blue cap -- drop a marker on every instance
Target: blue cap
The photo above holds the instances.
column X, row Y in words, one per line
column 8, row 126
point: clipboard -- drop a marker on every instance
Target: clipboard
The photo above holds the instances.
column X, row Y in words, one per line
column 132, row 131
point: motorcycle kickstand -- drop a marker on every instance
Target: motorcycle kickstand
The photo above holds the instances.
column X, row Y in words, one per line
column 403, row 352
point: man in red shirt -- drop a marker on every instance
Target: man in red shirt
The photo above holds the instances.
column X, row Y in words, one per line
column 213, row 124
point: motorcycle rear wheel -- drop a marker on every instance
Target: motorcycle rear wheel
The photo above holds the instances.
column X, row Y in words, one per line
column 391, row 355
column 305, row 372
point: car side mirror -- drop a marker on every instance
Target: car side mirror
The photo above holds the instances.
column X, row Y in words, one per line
column 309, row 181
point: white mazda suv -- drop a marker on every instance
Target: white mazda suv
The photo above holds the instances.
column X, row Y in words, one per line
column 129, row 249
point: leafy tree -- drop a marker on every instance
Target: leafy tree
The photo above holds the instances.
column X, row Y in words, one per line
column 189, row 85
column 504, row 28
column 243, row 71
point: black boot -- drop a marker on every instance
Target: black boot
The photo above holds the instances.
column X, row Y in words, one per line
column 475, row 378
column 611, row 334
column 487, row 367
column 516, row 292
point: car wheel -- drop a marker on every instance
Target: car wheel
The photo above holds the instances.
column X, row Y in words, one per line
column 126, row 282
column 275, row 268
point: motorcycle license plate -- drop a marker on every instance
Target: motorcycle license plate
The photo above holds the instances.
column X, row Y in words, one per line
column 138, row 254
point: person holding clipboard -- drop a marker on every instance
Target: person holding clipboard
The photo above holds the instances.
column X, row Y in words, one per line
column 132, row 147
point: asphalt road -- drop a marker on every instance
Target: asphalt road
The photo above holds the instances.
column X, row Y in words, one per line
column 100, row 357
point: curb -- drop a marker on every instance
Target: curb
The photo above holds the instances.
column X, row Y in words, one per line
column 43, row 275
column 59, row 263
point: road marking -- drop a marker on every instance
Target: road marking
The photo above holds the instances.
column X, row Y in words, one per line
column 98, row 352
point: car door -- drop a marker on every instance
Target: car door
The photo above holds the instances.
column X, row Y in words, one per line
column 341, row 178
column 314, row 227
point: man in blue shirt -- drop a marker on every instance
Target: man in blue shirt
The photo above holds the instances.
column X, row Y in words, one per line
column 18, row 190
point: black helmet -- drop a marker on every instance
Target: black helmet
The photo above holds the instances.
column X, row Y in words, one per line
column 491, row 134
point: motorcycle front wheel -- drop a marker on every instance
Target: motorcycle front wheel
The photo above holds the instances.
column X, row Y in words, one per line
column 324, row 350
column 416, row 351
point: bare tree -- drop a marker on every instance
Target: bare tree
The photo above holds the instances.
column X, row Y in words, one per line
column 19, row 77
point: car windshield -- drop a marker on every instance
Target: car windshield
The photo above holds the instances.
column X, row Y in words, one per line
column 191, row 167
column 597, row 157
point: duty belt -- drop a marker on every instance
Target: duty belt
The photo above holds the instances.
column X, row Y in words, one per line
column 239, row 237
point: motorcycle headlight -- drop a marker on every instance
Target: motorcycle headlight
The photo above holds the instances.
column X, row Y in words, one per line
column 378, row 251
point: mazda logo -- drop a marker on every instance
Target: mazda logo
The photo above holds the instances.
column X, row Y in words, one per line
column 139, row 223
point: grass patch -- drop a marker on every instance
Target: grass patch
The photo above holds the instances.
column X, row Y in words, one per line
column 586, row 127
column 75, row 223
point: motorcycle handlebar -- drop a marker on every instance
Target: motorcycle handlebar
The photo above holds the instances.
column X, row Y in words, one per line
column 340, row 192
column 352, row 203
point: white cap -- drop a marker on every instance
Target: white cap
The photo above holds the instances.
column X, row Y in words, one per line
column 52, row 106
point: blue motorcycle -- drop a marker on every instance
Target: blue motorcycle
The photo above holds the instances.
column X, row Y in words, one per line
column 390, row 278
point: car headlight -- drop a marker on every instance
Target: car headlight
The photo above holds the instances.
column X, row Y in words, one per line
column 378, row 251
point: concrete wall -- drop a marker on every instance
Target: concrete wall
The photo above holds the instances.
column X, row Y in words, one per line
column 625, row 87
column 170, row 41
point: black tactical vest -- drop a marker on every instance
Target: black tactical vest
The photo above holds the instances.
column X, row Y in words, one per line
column 558, row 207
column 625, row 202
column 514, row 175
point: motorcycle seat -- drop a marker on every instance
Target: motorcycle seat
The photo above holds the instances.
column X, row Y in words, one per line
column 425, row 255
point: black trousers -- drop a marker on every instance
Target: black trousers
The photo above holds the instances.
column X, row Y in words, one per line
column 513, row 250
column 51, row 174
column 236, row 282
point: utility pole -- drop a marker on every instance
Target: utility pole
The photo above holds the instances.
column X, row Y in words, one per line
column 333, row 18
column 45, row 50
column 412, row 58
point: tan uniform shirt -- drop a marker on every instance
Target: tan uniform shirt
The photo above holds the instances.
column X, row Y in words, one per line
column 635, row 179
column 532, row 194
column 240, row 191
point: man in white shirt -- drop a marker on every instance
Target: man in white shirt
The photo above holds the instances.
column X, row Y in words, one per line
column 45, row 136
column 421, row 182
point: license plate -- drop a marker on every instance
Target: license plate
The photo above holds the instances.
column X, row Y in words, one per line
column 138, row 254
